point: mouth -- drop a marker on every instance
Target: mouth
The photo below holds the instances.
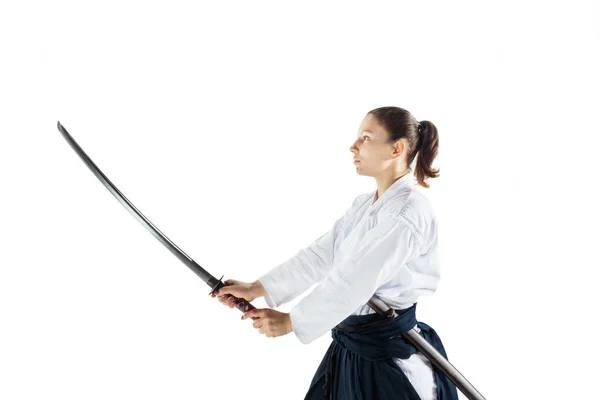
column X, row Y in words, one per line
column 356, row 161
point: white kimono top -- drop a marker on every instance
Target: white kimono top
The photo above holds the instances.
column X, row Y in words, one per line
column 387, row 247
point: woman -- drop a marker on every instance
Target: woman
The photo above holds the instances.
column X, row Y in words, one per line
column 385, row 244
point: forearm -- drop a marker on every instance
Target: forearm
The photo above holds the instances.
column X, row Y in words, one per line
column 307, row 267
column 285, row 282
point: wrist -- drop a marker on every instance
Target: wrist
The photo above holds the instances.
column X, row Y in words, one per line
column 257, row 289
column 289, row 322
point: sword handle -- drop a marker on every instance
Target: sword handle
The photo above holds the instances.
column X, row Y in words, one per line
column 241, row 304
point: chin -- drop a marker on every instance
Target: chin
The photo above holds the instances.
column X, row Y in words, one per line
column 360, row 172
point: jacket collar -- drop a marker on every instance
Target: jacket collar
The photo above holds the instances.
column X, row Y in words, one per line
column 402, row 184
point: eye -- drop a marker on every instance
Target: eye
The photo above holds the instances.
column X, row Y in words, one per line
column 365, row 138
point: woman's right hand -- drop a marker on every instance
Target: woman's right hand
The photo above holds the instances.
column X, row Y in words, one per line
column 239, row 289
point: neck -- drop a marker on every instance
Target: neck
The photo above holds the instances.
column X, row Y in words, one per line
column 384, row 182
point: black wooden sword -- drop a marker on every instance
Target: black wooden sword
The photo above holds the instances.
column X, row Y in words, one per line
column 413, row 336
column 214, row 283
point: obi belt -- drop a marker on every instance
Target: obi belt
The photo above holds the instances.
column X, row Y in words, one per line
column 359, row 365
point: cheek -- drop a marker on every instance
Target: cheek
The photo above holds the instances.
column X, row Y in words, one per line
column 381, row 153
column 371, row 152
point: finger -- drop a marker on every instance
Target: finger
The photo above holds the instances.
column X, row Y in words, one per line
column 258, row 323
column 231, row 302
column 227, row 303
column 224, row 299
column 224, row 290
column 262, row 329
column 257, row 312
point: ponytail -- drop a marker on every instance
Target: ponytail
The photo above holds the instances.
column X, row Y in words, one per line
column 427, row 151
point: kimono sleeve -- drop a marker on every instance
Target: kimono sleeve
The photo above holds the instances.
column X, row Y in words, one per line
column 353, row 281
column 308, row 266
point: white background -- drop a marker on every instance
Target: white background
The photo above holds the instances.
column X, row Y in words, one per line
column 228, row 124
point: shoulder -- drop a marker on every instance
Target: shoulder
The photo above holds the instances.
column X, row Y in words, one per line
column 412, row 207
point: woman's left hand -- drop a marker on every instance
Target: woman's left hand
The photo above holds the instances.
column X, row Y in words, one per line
column 270, row 322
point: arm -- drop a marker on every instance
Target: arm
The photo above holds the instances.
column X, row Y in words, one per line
column 353, row 282
column 308, row 266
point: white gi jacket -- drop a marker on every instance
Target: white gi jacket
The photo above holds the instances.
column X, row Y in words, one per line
column 388, row 247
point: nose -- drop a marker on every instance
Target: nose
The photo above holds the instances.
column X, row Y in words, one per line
column 354, row 148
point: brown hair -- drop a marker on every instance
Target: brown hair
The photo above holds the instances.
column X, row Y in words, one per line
column 422, row 139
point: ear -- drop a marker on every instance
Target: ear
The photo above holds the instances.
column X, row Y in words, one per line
column 398, row 148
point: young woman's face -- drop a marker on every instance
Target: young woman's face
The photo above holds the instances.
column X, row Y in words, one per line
column 371, row 149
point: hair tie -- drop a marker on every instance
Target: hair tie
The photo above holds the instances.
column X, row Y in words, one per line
column 420, row 129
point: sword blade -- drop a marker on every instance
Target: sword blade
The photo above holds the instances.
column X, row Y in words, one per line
column 201, row 272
